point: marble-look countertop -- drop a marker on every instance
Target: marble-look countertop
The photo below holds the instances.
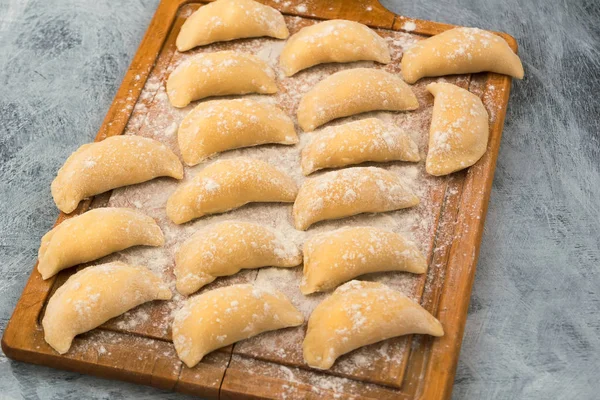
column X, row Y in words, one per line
column 533, row 329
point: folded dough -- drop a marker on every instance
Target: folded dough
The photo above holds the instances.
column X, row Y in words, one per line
column 459, row 129
column 94, row 295
column 336, row 40
column 460, row 51
column 354, row 91
column 223, row 316
column 225, row 248
column 225, row 20
column 358, row 314
column 116, row 161
column 95, row 234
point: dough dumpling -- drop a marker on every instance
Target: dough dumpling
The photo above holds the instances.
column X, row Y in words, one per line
column 356, row 142
column 219, row 74
column 459, row 129
column 225, row 248
column 220, row 125
column 95, row 234
column 225, row 20
column 332, row 258
column 336, row 40
column 460, row 51
column 223, row 316
column 116, row 161
column 228, row 184
column 94, row 295
column 358, row 314
column 354, row 91
column 347, row 192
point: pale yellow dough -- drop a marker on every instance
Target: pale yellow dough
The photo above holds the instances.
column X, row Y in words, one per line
column 116, row 161
column 93, row 235
column 220, row 125
column 225, row 248
column 356, row 142
column 228, row 184
column 219, row 74
column 347, row 192
column 94, row 295
column 336, row 40
column 223, row 316
column 354, row 91
column 358, row 314
column 332, row 258
column 459, row 130
column 460, row 51
column 225, row 20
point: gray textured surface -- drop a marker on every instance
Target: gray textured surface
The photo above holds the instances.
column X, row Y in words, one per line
column 533, row 329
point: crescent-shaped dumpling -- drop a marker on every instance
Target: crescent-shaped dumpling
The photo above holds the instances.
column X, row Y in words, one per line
column 116, row 161
column 347, row 192
column 219, row 74
column 94, row 295
column 354, row 91
column 460, row 51
column 225, row 20
column 356, row 142
column 358, row 314
column 228, row 184
column 225, row 248
column 336, row 40
column 95, row 234
column 332, row 258
column 223, row 316
column 220, row 125
column 459, row 130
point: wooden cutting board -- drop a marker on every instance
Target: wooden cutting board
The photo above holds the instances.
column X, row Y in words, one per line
column 448, row 226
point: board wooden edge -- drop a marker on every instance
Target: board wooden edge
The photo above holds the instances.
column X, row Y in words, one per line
column 468, row 232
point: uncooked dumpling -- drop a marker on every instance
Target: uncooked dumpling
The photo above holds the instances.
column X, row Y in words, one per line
column 332, row 258
column 349, row 192
column 225, row 248
column 228, row 184
column 460, row 51
column 459, row 129
column 225, row 20
column 354, row 91
column 223, row 316
column 356, row 142
column 358, row 314
column 116, row 161
column 220, row 125
column 336, row 40
column 94, row 295
column 95, row 234
column 219, row 74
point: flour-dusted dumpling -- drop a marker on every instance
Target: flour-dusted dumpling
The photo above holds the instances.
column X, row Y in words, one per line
column 358, row 314
column 225, row 20
column 223, row 316
column 94, row 295
column 460, row 51
column 219, row 74
column 356, row 142
column 228, row 184
column 350, row 191
column 116, row 161
column 459, row 129
column 221, row 125
column 95, row 234
column 225, row 248
column 332, row 258
column 354, row 91
column 332, row 41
